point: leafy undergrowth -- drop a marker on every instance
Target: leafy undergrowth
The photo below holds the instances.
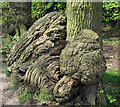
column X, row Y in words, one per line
column 25, row 97
column 8, row 44
column 111, row 82
column 26, row 93
column 112, row 77
column 32, row 96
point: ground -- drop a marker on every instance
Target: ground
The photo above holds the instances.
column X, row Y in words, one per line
column 111, row 46
column 111, row 41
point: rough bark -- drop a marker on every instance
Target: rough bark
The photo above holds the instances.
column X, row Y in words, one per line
column 35, row 57
column 85, row 15
column 82, row 60
column 67, row 71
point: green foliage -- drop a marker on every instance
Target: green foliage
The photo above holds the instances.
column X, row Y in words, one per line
column 105, row 41
column 119, row 42
column 9, row 43
column 4, row 50
column 41, row 96
column 30, row 95
column 39, row 9
column 113, row 95
column 105, row 37
column 112, row 77
column 112, row 91
column 6, row 72
column 113, row 39
column 108, row 41
column 25, row 96
column 104, row 48
column 119, row 58
column 111, row 11
column 15, row 84
column 15, row 81
column 114, row 30
column 5, row 13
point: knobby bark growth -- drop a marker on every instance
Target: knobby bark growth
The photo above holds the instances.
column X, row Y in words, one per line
column 70, row 71
column 86, row 15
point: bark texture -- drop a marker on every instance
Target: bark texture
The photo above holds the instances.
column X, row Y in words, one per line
column 83, row 15
column 36, row 55
column 86, row 15
column 82, row 60
column 67, row 71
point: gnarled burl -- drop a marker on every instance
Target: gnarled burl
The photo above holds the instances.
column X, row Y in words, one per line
column 82, row 62
column 44, row 59
column 36, row 55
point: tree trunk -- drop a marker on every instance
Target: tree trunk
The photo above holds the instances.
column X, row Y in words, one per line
column 19, row 18
column 35, row 56
column 23, row 17
column 85, row 15
column 118, row 25
column 67, row 71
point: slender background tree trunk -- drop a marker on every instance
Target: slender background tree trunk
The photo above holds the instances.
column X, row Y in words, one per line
column 19, row 18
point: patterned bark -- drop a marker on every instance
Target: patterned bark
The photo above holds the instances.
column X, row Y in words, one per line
column 44, row 59
column 36, row 55
column 82, row 59
column 85, row 15
column 82, row 63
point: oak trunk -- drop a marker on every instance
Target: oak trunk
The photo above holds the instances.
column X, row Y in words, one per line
column 85, row 15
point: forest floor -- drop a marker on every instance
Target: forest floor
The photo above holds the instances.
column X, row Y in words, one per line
column 111, row 50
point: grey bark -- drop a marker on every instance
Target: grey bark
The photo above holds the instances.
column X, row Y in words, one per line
column 66, row 71
column 35, row 57
column 85, row 15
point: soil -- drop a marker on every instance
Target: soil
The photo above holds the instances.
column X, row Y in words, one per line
column 111, row 53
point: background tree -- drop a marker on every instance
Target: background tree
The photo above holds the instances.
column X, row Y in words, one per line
column 85, row 15
column 17, row 17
